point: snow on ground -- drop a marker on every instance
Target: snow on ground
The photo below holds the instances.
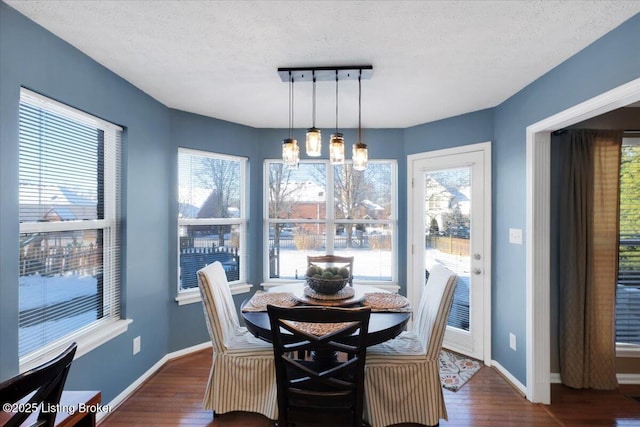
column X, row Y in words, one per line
column 36, row 291
column 374, row 265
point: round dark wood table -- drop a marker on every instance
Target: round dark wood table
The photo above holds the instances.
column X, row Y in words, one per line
column 383, row 326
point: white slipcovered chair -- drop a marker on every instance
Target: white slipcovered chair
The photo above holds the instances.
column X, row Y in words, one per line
column 242, row 374
column 402, row 381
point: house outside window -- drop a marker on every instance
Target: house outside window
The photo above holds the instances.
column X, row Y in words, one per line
column 69, row 211
column 628, row 287
column 319, row 208
column 212, row 218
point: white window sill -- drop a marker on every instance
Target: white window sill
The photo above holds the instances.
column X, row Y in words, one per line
column 388, row 286
column 193, row 295
column 86, row 341
column 627, row 350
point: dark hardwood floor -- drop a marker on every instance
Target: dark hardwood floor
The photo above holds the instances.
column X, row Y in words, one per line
column 173, row 397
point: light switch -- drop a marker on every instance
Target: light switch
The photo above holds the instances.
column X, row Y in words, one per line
column 515, row 236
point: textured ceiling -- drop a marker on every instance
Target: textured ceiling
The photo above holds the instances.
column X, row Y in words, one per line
column 431, row 59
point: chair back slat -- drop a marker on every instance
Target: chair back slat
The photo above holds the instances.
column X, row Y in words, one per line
column 328, row 390
column 46, row 382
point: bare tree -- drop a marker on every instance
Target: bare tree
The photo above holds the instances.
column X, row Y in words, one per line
column 280, row 191
column 351, row 188
column 223, row 178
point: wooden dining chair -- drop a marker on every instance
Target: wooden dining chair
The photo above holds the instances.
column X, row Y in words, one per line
column 242, row 376
column 326, row 392
column 45, row 384
column 333, row 261
column 402, row 383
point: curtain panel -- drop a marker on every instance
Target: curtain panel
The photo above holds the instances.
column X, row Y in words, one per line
column 588, row 259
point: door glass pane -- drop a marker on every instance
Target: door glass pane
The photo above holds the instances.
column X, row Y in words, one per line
column 447, row 222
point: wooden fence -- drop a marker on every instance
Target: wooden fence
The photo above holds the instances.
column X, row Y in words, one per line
column 449, row 244
column 50, row 260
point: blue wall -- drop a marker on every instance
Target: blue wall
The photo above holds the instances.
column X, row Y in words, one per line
column 32, row 57
column 471, row 128
column 607, row 63
column 187, row 326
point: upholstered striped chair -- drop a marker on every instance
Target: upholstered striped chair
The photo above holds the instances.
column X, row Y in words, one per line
column 242, row 374
column 402, row 381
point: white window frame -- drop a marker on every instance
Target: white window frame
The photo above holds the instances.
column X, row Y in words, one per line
column 625, row 349
column 101, row 330
column 330, row 221
column 192, row 295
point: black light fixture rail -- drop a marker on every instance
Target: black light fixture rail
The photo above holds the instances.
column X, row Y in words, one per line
column 345, row 72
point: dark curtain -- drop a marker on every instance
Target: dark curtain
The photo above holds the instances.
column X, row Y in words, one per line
column 588, row 258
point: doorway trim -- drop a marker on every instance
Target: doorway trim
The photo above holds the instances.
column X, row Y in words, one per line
column 414, row 292
column 538, row 168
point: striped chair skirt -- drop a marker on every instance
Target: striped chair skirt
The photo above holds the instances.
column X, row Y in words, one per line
column 402, row 385
column 242, row 378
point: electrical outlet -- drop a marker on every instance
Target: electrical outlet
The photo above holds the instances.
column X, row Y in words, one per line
column 136, row 345
column 512, row 341
column 515, row 236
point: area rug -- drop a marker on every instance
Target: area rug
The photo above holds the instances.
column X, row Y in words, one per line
column 456, row 370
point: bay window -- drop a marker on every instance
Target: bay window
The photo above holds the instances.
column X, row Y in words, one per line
column 69, row 210
column 211, row 216
column 319, row 208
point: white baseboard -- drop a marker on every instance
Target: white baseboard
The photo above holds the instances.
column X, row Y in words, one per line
column 510, row 378
column 117, row 401
column 622, row 378
column 628, row 378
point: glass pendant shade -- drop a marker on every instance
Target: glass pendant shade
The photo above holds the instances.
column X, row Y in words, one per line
column 360, row 156
column 290, row 152
column 336, row 148
column 314, row 142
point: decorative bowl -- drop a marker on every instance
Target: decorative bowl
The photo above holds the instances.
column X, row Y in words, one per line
column 326, row 286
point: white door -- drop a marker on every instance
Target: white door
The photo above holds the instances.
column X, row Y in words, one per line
column 450, row 224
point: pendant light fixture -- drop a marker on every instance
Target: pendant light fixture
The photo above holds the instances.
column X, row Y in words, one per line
column 290, row 149
column 314, row 136
column 336, row 143
column 360, row 153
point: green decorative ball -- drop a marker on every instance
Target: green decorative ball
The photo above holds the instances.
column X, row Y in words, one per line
column 327, row 275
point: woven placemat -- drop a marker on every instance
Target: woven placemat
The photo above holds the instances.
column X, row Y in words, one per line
column 344, row 293
column 260, row 299
column 385, row 301
column 320, row 329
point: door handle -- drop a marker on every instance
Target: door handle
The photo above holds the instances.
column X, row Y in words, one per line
column 477, row 271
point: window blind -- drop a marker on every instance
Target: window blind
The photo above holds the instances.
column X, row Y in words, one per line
column 69, row 277
column 628, row 289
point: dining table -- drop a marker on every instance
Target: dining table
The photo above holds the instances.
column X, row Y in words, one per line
column 385, row 323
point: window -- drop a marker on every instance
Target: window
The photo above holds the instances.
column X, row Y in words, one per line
column 69, row 186
column 628, row 289
column 211, row 215
column 320, row 208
